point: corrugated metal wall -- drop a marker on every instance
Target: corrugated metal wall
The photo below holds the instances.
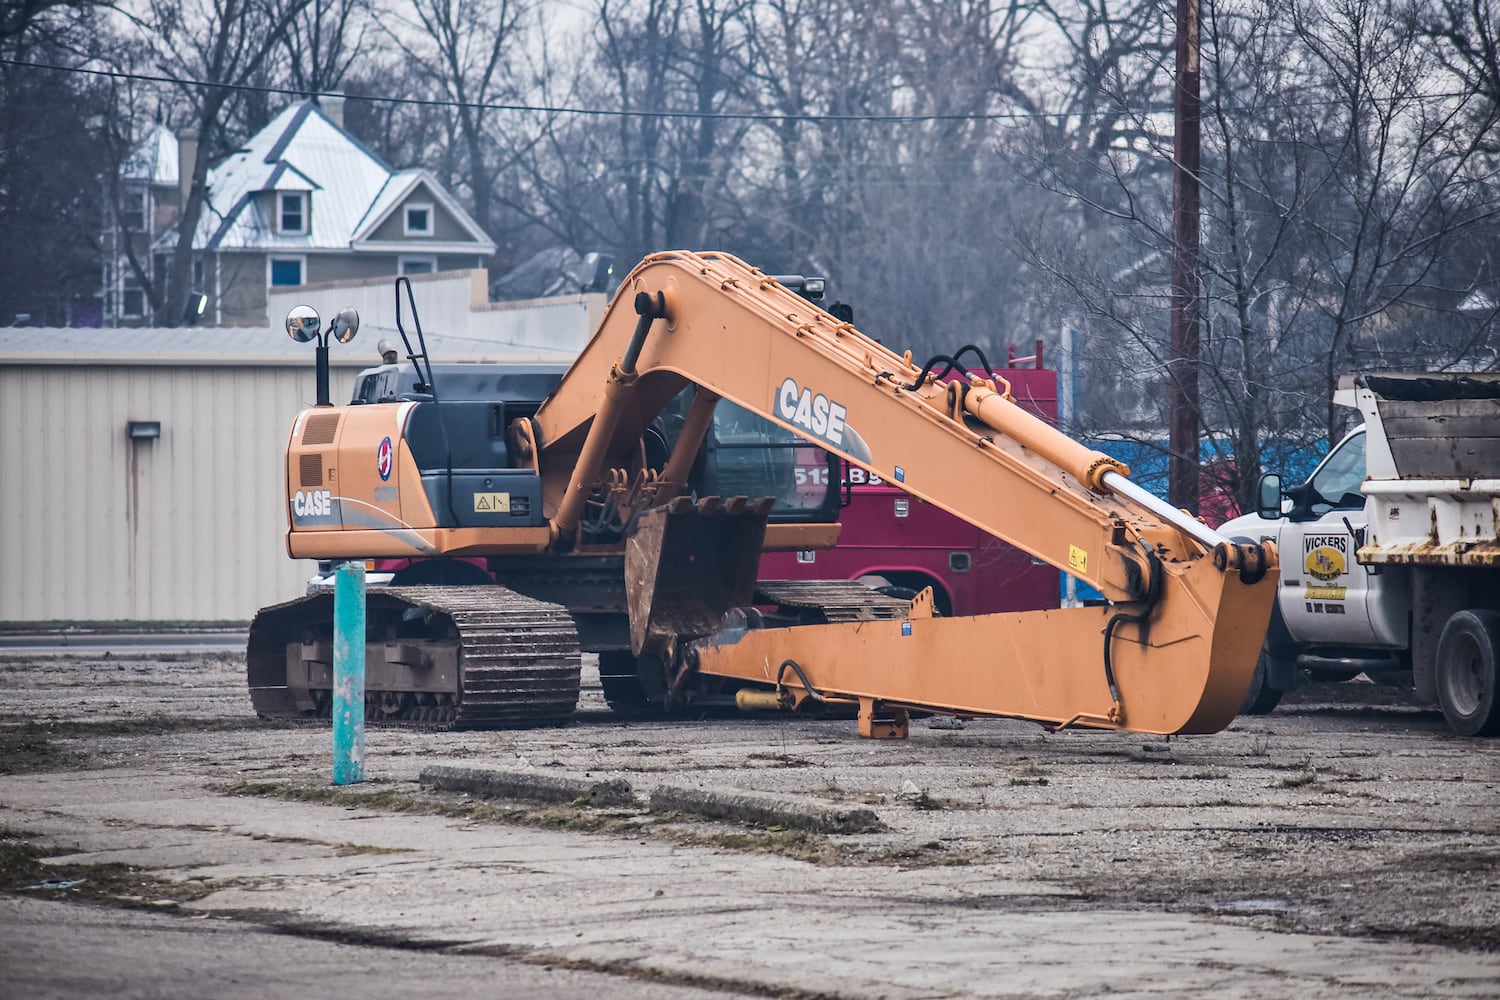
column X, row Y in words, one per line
column 188, row 527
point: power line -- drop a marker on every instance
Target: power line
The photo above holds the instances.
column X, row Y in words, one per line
column 539, row 108
column 752, row 116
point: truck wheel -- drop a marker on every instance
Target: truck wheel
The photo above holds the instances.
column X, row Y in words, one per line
column 1325, row 675
column 1466, row 656
column 1262, row 697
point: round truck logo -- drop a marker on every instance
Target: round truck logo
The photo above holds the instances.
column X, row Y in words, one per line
column 1325, row 557
column 383, row 459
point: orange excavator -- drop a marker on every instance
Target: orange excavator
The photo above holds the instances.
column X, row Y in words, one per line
column 588, row 496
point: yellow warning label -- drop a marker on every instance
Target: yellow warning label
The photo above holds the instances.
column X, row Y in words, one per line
column 492, row 503
column 1325, row 593
column 1078, row 559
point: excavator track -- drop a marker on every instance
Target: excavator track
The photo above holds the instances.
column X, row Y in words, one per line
column 828, row 602
column 435, row 657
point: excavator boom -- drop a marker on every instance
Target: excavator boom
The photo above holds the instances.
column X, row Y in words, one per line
column 1174, row 651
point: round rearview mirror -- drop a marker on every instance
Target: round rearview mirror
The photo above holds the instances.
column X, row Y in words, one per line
column 303, row 323
column 345, row 325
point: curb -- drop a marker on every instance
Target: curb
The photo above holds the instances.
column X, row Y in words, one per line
column 764, row 809
column 524, row 785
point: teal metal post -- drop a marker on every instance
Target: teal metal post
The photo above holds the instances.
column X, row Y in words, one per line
column 349, row 674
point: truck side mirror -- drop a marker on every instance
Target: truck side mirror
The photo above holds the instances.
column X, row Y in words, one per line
column 1268, row 496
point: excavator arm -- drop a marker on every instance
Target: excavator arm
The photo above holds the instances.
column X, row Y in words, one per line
column 1173, row 651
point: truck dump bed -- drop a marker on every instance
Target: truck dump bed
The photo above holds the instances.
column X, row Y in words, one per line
column 1443, row 434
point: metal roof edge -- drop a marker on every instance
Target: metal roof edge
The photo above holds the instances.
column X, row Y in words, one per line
column 227, row 222
column 287, row 134
column 284, row 167
column 409, row 247
column 547, row 301
column 413, row 178
column 76, row 359
column 359, row 224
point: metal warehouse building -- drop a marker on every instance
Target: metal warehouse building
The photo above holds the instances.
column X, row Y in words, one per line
column 142, row 471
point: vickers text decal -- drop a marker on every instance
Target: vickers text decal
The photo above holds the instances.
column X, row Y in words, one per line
column 1325, row 557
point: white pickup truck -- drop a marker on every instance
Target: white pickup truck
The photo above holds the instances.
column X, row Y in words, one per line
column 1390, row 556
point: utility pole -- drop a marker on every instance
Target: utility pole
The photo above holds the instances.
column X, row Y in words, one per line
column 1182, row 487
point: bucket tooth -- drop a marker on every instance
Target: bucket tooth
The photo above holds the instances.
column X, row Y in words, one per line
column 686, row 564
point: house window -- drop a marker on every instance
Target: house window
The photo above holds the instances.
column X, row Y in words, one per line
column 286, row 270
column 133, row 210
column 291, row 212
column 132, row 297
column 426, row 264
column 418, row 219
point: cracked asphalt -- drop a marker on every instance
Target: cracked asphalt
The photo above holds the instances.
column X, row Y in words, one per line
column 1344, row 846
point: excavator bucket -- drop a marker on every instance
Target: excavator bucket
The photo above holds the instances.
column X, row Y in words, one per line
column 687, row 564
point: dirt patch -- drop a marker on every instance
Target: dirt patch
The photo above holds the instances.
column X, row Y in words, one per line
column 26, row 867
column 28, row 747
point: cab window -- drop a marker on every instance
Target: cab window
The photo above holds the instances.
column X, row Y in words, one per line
column 1336, row 482
column 754, row 457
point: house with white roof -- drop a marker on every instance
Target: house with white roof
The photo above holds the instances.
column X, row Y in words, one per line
column 305, row 202
column 143, row 207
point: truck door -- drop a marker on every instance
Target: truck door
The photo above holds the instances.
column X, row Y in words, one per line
column 1325, row 595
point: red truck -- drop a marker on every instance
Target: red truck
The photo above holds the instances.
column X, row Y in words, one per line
column 899, row 544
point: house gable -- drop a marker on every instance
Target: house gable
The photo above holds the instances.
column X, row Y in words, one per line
column 413, row 196
column 441, row 225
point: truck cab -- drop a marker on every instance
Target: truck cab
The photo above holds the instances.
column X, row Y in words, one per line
column 1388, row 550
column 1333, row 617
column 1327, row 601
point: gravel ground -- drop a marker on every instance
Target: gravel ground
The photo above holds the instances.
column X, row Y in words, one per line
column 1350, row 814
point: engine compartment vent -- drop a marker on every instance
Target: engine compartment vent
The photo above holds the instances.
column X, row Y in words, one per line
column 320, row 429
column 310, row 469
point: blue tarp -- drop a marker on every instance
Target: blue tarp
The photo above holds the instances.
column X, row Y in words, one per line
column 1149, row 469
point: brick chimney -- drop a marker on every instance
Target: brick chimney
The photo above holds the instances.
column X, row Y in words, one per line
column 187, row 162
column 333, row 107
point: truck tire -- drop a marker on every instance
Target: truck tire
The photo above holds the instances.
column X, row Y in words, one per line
column 1465, row 672
column 1262, row 698
column 1326, row 675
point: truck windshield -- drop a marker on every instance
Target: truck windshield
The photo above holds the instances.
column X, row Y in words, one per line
column 1337, row 480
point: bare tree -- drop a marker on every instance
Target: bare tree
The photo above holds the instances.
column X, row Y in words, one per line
column 1340, row 185
column 901, row 213
column 18, row 16
column 1467, row 33
column 51, row 170
column 1402, row 197
column 467, row 50
column 214, row 48
column 324, row 42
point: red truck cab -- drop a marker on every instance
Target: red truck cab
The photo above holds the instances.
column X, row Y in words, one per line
column 899, row 544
